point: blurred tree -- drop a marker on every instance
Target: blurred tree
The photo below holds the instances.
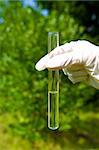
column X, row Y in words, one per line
column 85, row 12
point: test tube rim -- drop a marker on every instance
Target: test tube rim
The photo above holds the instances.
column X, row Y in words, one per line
column 51, row 33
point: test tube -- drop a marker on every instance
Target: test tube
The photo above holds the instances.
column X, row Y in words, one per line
column 53, row 86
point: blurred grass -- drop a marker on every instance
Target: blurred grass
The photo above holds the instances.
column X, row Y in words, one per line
column 7, row 140
column 75, row 139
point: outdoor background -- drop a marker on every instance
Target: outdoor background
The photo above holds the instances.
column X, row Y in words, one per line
column 24, row 26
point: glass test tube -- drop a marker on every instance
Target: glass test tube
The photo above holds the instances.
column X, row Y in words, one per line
column 53, row 86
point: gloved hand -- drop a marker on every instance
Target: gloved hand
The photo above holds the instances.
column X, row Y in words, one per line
column 79, row 60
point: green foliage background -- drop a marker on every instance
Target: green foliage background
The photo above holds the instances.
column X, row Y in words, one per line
column 23, row 90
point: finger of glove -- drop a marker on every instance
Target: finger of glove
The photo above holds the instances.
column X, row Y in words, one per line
column 79, row 73
column 64, row 60
column 74, row 68
column 61, row 50
column 41, row 64
column 70, row 47
column 76, row 79
column 93, row 82
column 77, row 76
column 55, row 62
column 59, row 61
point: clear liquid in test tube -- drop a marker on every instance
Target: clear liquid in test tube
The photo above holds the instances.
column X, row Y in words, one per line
column 53, row 86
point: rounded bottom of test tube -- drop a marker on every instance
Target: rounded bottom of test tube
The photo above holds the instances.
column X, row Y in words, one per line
column 53, row 128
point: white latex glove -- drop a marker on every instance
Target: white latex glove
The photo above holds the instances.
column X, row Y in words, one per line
column 78, row 59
